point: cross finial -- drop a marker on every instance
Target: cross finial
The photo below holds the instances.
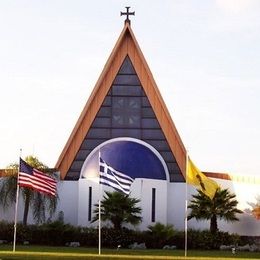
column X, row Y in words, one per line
column 127, row 13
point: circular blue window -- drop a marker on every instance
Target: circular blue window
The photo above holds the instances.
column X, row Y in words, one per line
column 129, row 156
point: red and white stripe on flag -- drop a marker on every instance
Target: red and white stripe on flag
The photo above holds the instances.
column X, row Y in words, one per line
column 35, row 179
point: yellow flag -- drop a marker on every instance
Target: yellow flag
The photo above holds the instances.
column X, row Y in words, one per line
column 195, row 177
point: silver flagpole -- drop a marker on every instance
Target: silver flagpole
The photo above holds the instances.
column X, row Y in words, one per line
column 186, row 221
column 99, row 228
column 99, row 210
column 186, row 208
column 15, row 214
column 16, row 203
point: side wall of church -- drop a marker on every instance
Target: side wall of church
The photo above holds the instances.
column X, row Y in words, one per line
column 68, row 201
column 151, row 193
column 176, row 205
column 169, row 204
column 245, row 193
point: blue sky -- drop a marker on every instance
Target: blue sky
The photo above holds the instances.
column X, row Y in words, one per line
column 204, row 55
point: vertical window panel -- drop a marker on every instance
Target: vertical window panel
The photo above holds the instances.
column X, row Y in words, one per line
column 89, row 203
column 153, row 204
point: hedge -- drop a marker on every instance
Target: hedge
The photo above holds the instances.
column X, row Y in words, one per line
column 59, row 234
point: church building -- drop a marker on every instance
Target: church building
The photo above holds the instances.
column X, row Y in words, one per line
column 126, row 122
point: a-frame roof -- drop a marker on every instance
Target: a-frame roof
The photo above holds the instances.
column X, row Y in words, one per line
column 126, row 46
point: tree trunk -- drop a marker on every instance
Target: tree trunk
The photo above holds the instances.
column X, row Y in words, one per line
column 117, row 222
column 118, row 225
column 213, row 224
column 26, row 210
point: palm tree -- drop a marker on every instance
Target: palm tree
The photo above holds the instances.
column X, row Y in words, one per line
column 119, row 208
column 160, row 234
column 38, row 202
column 222, row 206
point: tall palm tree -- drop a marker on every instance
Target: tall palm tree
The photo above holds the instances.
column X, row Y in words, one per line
column 222, row 206
column 119, row 208
column 38, row 202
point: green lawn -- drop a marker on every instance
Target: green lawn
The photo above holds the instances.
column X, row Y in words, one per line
column 51, row 253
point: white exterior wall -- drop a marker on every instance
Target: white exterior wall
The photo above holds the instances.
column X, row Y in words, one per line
column 170, row 204
column 8, row 213
column 176, row 205
column 83, row 206
column 68, row 201
column 141, row 189
column 245, row 192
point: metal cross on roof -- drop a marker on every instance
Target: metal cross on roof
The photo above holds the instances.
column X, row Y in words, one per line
column 127, row 13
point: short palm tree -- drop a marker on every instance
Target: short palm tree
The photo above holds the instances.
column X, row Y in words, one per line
column 38, row 202
column 160, row 234
column 222, row 206
column 119, row 208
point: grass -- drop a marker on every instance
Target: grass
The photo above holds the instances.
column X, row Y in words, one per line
column 51, row 253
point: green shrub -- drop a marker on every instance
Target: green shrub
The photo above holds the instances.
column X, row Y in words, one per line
column 178, row 240
column 23, row 233
column 58, row 234
column 113, row 238
column 88, row 237
column 6, row 231
column 204, row 239
column 159, row 235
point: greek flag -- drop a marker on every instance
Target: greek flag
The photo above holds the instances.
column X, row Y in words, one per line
column 113, row 178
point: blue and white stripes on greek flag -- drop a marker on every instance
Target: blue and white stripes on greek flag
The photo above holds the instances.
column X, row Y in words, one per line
column 113, row 178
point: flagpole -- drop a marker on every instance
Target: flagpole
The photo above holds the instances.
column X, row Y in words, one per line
column 99, row 212
column 16, row 204
column 15, row 214
column 99, row 228
column 186, row 209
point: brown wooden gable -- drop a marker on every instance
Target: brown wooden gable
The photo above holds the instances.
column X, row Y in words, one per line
column 125, row 46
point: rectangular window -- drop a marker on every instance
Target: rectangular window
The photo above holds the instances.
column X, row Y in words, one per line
column 153, row 204
column 89, row 203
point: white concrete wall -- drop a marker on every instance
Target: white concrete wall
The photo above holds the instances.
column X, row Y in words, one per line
column 83, row 206
column 141, row 189
column 247, row 224
column 176, row 205
column 68, row 201
column 245, row 192
column 8, row 214
column 170, row 204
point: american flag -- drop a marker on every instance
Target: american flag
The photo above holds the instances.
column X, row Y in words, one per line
column 110, row 177
column 32, row 178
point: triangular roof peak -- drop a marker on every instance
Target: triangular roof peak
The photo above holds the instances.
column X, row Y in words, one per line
column 126, row 45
